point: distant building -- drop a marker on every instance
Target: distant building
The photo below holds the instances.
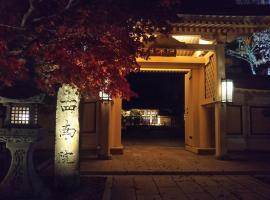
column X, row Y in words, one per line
column 145, row 117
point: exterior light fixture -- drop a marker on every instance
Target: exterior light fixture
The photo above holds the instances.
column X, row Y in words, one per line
column 23, row 115
column 105, row 97
column 226, row 90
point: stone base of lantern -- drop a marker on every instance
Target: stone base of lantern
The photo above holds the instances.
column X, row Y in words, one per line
column 21, row 181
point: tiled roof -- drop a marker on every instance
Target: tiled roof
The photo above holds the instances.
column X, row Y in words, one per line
column 220, row 24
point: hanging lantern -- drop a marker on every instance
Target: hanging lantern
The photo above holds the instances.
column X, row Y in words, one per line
column 104, row 97
column 227, row 90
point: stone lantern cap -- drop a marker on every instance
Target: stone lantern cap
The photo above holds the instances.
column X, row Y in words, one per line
column 38, row 99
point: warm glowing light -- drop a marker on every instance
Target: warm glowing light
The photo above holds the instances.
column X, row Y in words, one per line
column 149, row 117
column 20, row 115
column 188, row 39
column 163, row 69
column 158, row 121
column 197, row 53
column 104, row 96
column 193, row 39
column 201, row 41
column 227, row 90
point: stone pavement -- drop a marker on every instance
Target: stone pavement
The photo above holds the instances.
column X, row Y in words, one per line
column 170, row 173
column 173, row 160
column 198, row 187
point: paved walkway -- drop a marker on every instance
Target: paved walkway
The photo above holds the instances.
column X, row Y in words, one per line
column 185, row 187
column 171, row 173
column 172, row 160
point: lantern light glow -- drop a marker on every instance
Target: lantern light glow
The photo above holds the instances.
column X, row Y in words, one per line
column 227, row 90
column 104, row 96
column 20, row 115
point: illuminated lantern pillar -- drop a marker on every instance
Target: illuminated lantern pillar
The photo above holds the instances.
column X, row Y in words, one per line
column 66, row 164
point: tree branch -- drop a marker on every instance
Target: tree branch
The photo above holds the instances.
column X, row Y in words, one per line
column 69, row 4
column 28, row 13
column 238, row 55
column 12, row 27
column 67, row 7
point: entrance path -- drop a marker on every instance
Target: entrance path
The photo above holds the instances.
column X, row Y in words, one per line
column 140, row 160
column 185, row 187
column 171, row 173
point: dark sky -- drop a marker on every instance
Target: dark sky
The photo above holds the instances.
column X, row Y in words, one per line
column 225, row 7
column 157, row 90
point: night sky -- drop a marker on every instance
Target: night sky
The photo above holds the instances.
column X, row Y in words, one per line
column 225, row 7
column 164, row 91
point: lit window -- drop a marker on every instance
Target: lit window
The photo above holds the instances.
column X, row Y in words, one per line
column 268, row 71
column 20, row 115
column 104, row 96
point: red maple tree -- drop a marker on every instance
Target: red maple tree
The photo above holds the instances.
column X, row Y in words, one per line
column 92, row 44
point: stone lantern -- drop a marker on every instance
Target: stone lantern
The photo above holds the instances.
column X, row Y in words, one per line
column 20, row 131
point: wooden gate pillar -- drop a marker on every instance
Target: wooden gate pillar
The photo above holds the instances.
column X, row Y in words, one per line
column 220, row 108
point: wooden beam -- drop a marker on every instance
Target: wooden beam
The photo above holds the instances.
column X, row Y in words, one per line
column 168, row 66
column 197, row 47
column 177, row 59
column 163, row 69
column 194, row 47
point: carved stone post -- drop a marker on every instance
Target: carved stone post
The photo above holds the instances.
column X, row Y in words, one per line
column 67, row 137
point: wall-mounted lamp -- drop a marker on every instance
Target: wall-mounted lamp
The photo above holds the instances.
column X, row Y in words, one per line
column 105, row 97
column 226, row 90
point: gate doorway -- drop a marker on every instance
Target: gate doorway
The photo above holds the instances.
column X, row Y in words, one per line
column 156, row 116
column 203, row 66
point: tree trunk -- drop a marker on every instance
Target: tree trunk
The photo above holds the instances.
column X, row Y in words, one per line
column 66, row 163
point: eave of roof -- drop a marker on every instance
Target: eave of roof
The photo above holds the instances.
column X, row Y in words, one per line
column 220, row 24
